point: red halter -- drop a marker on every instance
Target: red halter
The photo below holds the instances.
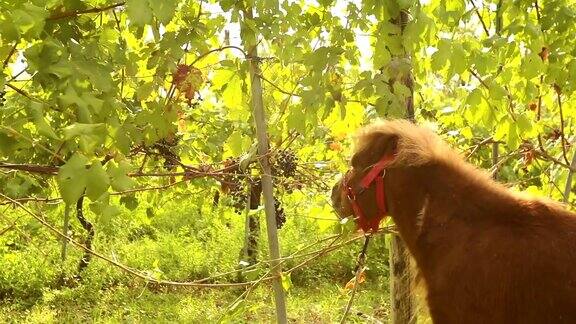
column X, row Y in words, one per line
column 376, row 174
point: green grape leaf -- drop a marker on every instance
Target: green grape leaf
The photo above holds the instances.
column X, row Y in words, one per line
column 93, row 102
column 249, row 157
column 70, row 97
column 118, row 173
column 97, row 181
column 104, row 211
column 232, row 95
column 458, row 59
column 98, row 75
column 524, row 124
column 382, row 55
column 297, row 119
column 501, row 131
column 90, row 136
column 497, row 92
column 30, row 21
column 474, row 98
column 163, row 10
column 122, row 137
column 78, row 129
column 441, row 56
column 513, row 140
column 237, row 142
column 139, row 12
column 532, row 66
column 44, row 128
column 129, row 201
column 286, row 281
column 144, row 90
column 71, row 178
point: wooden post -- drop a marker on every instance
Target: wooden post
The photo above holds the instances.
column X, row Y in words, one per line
column 251, row 46
column 498, row 29
column 401, row 300
column 252, row 224
column 403, row 309
column 568, row 187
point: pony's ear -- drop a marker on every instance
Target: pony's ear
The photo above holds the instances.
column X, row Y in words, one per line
column 378, row 146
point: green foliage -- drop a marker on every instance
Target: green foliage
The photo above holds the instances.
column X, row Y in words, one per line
column 138, row 103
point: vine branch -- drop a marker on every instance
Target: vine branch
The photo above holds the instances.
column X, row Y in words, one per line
column 480, row 18
column 22, row 92
column 7, row 59
column 543, row 155
column 485, row 85
column 562, row 135
column 75, row 13
column 218, row 50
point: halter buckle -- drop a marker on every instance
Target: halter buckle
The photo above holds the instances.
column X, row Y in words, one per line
column 350, row 193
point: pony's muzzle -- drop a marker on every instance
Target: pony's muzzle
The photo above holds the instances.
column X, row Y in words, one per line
column 337, row 198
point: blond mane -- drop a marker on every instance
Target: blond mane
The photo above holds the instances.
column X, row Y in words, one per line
column 416, row 145
column 419, row 145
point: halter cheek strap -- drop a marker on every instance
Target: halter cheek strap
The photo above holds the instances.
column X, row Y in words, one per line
column 376, row 170
column 375, row 175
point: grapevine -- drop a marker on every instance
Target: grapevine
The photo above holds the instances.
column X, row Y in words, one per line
column 238, row 185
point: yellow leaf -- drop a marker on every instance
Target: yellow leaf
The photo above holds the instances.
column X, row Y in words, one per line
column 352, row 282
column 232, row 95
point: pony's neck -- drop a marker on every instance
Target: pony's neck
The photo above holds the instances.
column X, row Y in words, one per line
column 432, row 200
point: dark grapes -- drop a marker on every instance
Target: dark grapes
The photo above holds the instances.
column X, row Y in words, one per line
column 284, row 164
column 239, row 185
column 239, row 198
column 233, row 184
column 280, row 216
column 164, row 148
column 170, row 162
column 2, row 98
column 255, row 193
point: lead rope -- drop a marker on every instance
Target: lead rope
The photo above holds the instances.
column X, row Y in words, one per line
column 362, row 256
column 358, row 271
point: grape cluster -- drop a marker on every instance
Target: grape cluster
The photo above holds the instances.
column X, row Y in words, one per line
column 232, row 185
column 239, row 193
column 237, row 187
column 284, row 164
column 280, row 216
column 239, row 198
column 2, row 98
column 255, row 192
column 164, row 148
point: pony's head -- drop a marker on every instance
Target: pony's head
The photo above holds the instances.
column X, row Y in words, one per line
column 393, row 151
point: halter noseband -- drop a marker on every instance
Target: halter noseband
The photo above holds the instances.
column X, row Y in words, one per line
column 376, row 174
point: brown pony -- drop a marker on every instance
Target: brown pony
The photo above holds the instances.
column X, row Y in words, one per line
column 486, row 254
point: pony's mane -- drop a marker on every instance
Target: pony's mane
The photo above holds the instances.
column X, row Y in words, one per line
column 416, row 145
column 419, row 145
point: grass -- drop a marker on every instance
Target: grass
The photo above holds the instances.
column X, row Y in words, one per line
column 322, row 303
column 181, row 241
